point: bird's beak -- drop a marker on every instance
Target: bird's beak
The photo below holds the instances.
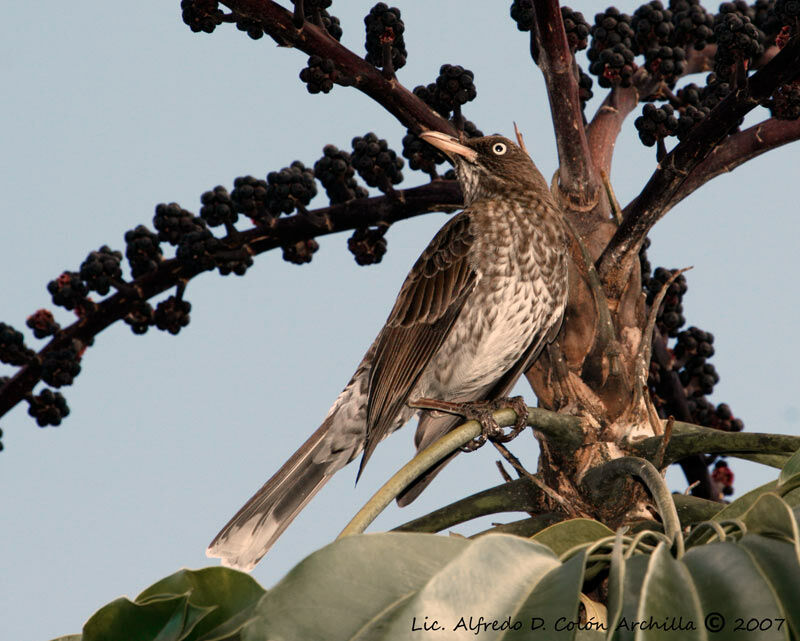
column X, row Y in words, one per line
column 449, row 145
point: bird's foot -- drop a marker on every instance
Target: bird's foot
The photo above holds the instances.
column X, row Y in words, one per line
column 481, row 411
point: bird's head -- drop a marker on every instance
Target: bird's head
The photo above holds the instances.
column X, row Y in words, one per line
column 487, row 166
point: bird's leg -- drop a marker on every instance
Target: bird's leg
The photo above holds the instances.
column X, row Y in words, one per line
column 481, row 411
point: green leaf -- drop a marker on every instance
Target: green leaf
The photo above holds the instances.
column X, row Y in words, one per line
column 567, row 535
column 230, row 593
column 789, row 477
column 341, row 588
column 628, row 605
column 668, row 597
column 554, row 599
column 401, row 585
column 212, row 604
column 771, row 516
column 779, row 564
column 732, row 585
column 69, row 637
column 164, row 619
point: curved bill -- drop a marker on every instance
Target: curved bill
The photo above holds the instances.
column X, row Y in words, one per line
column 449, row 145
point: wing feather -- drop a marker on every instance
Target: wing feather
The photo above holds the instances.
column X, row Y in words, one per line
column 429, row 302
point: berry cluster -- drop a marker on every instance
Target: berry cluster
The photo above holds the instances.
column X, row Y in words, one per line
column 139, row 316
column 670, row 318
column 217, row 207
column 319, row 74
column 585, row 83
column 252, row 27
column 652, row 25
column 689, row 357
column 522, row 14
column 764, row 16
column 249, row 197
column 576, row 28
column 719, row 417
column 656, row 123
column 454, row 87
column 300, row 252
column 233, row 262
column 201, row 15
column 42, row 323
column 665, row 63
column 48, row 408
column 172, row 314
column 378, row 165
column 291, row 186
column 368, row 245
column 100, row 269
column 316, row 10
column 68, row 290
column 385, row 45
column 785, row 102
column 723, row 477
column 172, row 222
column 61, row 366
column 690, row 117
column 421, row 155
column 738, row 39
column 694, row 26
column 692, row 350
column 142, row 251
column 336, row 173
column 12, row 346
column 611, row 52
column 197, row 248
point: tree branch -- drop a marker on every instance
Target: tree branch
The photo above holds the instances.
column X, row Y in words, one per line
column 736, row 150
column 578, row 180
column 520, row 495
column 364, row 212
column 278, row 23
column 653, row 202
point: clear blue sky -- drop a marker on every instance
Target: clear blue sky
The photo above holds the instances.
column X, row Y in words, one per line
column 109, row 109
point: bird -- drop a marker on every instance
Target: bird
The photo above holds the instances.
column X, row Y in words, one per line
column 475, row 311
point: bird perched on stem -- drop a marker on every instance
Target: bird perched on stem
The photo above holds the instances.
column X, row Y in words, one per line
column 483, row 299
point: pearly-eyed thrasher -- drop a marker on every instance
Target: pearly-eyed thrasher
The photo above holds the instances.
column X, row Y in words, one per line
column 483, row 299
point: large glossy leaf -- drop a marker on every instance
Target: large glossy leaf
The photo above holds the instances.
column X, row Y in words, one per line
column 731, row 586
column 211, row 604
column 566, row 535
column 657, row 599
column 400, row 585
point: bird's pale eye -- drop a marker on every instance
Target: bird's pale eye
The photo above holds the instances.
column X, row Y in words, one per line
column 499, row 148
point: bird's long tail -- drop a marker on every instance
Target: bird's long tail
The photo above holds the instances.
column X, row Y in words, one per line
column 254, row 528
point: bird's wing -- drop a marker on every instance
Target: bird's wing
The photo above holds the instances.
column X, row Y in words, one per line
column 429, row 302
column 432, row 426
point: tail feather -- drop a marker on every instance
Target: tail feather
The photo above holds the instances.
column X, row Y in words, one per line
column 257, row 525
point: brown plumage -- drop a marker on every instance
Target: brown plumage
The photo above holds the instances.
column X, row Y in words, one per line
column 474, row 312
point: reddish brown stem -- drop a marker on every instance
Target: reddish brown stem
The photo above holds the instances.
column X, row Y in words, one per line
column 652, row 203
column 578, row 180
column 278, row 23
column 439, row 195
column 737, row 150
column 604, row 129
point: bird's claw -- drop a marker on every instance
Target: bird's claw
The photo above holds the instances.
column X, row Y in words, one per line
column 482, row 411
